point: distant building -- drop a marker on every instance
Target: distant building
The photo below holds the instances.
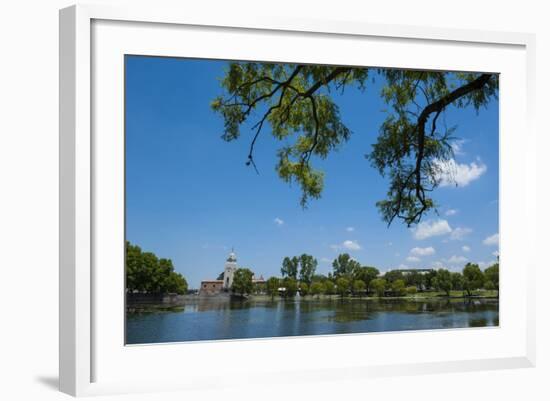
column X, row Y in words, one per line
column 407, row 272
column 229, row 270
column 213, row 287
column 411, row 271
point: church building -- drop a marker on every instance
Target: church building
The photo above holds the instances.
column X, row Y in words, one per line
column 213, row 287
column 229, row 270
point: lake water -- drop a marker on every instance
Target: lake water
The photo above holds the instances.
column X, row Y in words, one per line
column 214, row 319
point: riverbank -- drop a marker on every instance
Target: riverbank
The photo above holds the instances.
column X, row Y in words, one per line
column 171, row 302
column 136, row 302
column 479, row 294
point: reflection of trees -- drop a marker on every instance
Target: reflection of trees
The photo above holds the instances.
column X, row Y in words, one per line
column 353, row 311
column 477, row 322
column 152, row 308
column 349, row 310
column 226, row 317
column 231, row 303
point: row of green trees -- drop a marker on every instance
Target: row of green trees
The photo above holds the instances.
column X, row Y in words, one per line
column 348, row 276
column 470, row 279
column 146, row 273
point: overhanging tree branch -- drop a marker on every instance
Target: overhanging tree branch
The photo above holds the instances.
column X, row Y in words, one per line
column 435, row 107
column 299, row 108
column 307, row 94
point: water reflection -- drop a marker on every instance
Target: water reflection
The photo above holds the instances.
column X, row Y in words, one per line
column 214, row 318
column 479, row 322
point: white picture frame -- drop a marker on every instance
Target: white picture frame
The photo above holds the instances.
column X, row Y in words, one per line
column 92, row 38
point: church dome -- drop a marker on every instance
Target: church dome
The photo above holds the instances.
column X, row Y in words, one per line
column 232, row 257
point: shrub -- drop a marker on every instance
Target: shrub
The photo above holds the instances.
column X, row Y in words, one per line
column 411, row 290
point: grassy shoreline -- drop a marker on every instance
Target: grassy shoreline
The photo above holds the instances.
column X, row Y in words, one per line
column 428, row 295
column 180, row 302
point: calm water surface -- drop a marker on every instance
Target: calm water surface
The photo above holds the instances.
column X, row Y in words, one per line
column 213, row 319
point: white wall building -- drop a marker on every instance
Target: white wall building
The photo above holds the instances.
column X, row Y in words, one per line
column 229, row 270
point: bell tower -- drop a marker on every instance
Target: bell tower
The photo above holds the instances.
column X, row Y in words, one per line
column 229, row 271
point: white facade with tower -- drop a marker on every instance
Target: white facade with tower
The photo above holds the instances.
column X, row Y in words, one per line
column 214, row 287
column 229, row 270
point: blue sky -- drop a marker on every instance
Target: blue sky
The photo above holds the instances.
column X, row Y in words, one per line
column 190, row 197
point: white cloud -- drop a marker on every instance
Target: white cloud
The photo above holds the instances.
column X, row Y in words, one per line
column 457, row 146
column 422, row 251
column 451, row 212
column 437, row 265
column 326, row 260
column 451, row 173
column 403, row 266
column 431, row 228
column 413, row 259
column 495, row 254
column 278, row 221
column 466, row 248
column 455, row 260
column 460, row 232
column 350, row 229
column 491, row 240
column 350, row 245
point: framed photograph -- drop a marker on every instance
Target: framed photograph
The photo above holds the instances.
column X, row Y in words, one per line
column 237, row 190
